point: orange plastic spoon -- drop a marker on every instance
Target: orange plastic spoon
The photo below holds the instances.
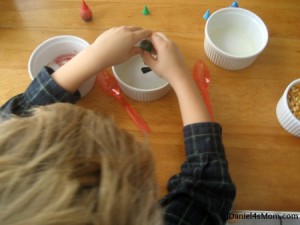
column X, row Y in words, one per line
column 110, row 86
column 201, row 76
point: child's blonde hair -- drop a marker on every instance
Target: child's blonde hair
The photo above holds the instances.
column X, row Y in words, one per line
column 67, row 165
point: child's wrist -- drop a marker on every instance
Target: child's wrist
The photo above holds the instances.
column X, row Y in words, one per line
column 180, row 79
column 94, row 60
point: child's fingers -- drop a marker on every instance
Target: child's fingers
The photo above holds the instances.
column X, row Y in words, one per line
column 159, row 39
column 148, row 59
column 133, row 28
column 139, row 35
column 135, row 51
column 156, row 40
column 161, row 36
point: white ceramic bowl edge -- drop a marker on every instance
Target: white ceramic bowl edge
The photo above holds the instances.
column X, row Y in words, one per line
column 234, row 37
column 224, row 61
column 144, row 96
column 53, row 47
column 285, row 117
column 137, row 85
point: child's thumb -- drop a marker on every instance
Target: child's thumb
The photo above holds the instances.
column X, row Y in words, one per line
column 148, row 59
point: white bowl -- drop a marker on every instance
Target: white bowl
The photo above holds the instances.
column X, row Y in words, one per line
column 50, row 50
column 285, row 117
column 234, row 37
column 137, row 85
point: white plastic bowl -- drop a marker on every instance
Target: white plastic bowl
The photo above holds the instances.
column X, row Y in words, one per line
column 234, row 37
column 137, row 85
column 285, row 117
column 46, row 53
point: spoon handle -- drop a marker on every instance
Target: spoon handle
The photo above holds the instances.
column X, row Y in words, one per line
column 136, row 118
column 110, row 86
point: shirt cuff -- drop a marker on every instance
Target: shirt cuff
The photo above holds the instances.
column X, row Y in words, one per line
column 202, row 138
column 44, row 90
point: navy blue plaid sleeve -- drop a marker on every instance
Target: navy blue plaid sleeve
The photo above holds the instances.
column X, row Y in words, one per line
column 202, row 193
column 43, row 90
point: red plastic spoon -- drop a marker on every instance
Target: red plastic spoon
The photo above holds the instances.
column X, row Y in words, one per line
column 201, row 76
column 110, row 86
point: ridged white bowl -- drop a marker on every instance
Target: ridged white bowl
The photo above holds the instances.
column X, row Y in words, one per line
column 285, row 117
column 137, row 85
column 49, row 50
column 234, row 37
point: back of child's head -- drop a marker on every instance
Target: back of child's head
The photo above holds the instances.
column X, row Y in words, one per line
column 67, row 165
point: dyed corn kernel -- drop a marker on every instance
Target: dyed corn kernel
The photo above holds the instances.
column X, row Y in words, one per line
column 294, row 100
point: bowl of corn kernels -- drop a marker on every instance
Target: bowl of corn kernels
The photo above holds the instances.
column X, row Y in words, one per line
column 288, row 108
column 294, row 100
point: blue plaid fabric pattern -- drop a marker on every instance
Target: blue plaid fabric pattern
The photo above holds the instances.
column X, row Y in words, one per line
column 203, row 192
column 42, row 91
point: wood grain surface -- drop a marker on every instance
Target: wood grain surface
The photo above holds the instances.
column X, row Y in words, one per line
column 264, row 160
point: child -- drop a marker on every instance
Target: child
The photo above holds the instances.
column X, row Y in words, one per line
column 61, row 164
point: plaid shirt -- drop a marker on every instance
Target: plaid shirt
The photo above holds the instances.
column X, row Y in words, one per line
column 202, row 193
column 42, row 91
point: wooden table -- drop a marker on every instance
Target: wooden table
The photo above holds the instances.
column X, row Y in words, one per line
column 264, row 160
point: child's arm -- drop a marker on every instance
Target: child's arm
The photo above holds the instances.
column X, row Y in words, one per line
column 202, row 193
column 111, row 47
column 170, row 65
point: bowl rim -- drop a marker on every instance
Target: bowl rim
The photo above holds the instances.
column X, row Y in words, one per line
column 234, row 9
column 138, row 89
column 47, row 42
column 285, row 96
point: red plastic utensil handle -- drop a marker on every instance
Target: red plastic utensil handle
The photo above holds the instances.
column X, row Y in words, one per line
column 109, row 85
column 136, row 118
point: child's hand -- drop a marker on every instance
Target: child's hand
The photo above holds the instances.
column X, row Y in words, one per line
column 112, row 47
column 171, row 66
column 116, row 45
column 169, row 63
